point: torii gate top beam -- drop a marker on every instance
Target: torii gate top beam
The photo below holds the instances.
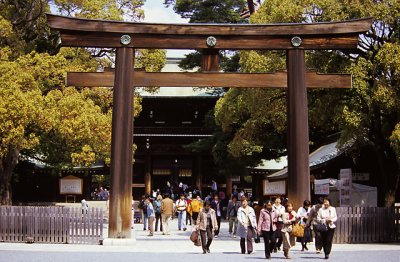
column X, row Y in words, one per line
column 101, row 33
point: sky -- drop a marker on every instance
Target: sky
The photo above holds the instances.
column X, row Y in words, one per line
column 156, row 12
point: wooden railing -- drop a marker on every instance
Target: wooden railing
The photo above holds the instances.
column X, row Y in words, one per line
column 367, row 225
column 50, row 225
column 69, row 225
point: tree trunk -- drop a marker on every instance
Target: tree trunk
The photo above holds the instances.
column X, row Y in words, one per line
column 229, row 185
column 388, row 174
column 7, row 165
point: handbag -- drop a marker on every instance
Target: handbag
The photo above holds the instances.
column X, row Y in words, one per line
column 320, row 227
column 257, row 238
column 307, row 235
column 195, row 235
column 298, row 230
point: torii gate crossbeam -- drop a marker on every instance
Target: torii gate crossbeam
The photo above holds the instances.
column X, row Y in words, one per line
column 125, row 37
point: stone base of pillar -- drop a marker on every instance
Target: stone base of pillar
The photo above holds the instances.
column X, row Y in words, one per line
column 119, row 242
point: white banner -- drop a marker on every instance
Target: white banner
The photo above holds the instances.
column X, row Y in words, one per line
column 321, row 189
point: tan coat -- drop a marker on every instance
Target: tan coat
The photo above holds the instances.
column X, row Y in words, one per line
column 287, row 223
column 202, row 220
column 167, row 207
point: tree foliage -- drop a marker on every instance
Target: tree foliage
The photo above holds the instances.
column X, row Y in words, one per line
column 40, row 117
column 102, row 9
column 367, row 114
column 209, row 11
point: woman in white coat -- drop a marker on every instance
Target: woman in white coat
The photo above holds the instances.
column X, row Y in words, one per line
column 246, row 226
column 327, row 215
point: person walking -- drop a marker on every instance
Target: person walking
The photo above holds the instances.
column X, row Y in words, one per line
column 246, row 225
column 279, row 209
column 151, row 216
column 267, row 227
column 167, row 212
column 289, row 218
column 143, row 206
column 133, row 214
column 181, row 206
column 217, row 206
column 312, row 221
column 302, row 215
column 231, row 215
column 327, row 215
column 207, row 223
column 194, row 208
column 84, row 206
column 214, row 186
column 157, row 207
column 188, row 219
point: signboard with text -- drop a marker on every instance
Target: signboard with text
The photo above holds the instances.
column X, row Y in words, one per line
column 345, row 186
column 274, row 188
column 71, row 185
column 360, row 176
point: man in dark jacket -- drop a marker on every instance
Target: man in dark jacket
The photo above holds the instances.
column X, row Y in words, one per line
column 143, row 207
column 231, row 215
column 217, row 206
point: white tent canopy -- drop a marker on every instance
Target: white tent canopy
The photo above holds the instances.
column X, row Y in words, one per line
column 360, row 195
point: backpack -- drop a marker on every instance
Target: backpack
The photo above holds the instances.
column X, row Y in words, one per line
column 158, row 206
column 142, row 205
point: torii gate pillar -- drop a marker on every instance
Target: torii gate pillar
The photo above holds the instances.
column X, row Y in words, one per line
column 297, row 119
column 121, row 146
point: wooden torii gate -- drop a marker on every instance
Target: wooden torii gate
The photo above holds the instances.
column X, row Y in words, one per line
column 126, row 37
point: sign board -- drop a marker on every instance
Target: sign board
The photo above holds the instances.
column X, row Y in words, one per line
column 71, row 185
column 274, row 188
column 360, row 176
column 345, row 186
column 321, row 189
column 235, row 178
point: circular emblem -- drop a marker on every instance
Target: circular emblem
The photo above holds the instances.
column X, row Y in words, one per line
column 126, row 39
column 211, row 41
column 296, row 41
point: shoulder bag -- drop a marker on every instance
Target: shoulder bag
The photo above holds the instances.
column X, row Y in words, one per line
column 320, row 227
column 298, row 230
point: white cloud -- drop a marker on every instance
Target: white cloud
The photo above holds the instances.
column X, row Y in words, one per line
column 156, row 12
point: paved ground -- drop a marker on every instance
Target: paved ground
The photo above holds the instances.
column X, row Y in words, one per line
column 177, row 247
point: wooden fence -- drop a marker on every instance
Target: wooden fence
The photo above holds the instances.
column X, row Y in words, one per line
column 69, row 225
column 367, row 225
column 50, row 225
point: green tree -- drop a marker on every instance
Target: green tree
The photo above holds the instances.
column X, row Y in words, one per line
column 209, row 11
column 367, row 114
column 40, row 116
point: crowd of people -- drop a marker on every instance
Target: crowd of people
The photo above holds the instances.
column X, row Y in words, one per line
column 100, row 194
column 274, row 221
